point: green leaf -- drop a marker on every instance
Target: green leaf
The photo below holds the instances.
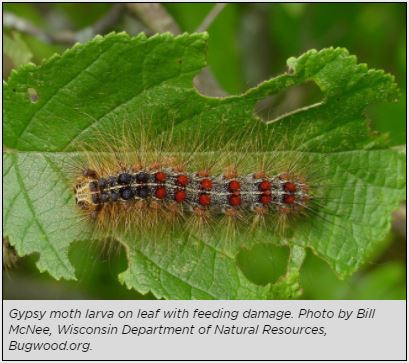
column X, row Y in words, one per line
column 382, row 280
column 116, row 78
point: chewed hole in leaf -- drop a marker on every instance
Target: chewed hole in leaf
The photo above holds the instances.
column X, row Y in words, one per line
column 206, row 85
column 263, row 264
column 274, row 107
column 32, row 95
column 104, row 260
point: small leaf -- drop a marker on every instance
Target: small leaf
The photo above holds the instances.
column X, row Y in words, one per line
column 92, row 86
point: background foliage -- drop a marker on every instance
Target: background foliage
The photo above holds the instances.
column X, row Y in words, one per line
column 248, row 44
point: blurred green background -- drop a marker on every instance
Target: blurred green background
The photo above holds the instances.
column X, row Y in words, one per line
column 248, row 43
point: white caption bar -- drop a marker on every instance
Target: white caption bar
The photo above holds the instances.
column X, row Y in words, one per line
column 204, row 330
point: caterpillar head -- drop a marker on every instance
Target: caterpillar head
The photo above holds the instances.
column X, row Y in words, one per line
column 83, row 195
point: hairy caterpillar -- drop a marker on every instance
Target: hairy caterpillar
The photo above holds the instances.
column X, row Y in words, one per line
column 194, row 192
column 152, row 182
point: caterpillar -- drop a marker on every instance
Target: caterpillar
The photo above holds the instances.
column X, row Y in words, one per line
column 136, row 184
column 192, row 192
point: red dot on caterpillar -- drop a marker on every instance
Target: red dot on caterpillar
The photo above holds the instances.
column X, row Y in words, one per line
column 160, row 176
column 235, row 200
column 206, row 184
column 160, row 193
column 204, row 199
column 264, row 185
column 290, row 187
column 180, row 196
column 265, row 199
column 182, row 180
column 288, row 199
column 234, row 185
